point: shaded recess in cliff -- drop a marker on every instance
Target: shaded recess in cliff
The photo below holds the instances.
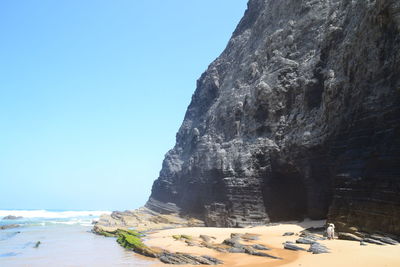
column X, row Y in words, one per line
column 298, row 117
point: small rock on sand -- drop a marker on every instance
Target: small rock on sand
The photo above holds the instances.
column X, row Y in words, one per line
column 9, row 226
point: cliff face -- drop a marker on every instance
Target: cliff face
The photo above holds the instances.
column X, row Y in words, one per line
column 298, row 117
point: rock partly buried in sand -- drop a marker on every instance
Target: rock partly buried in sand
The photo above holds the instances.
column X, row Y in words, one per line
column 191, row 243
column 236, row 250
column 288, row 234
column 250, row 237
column 362, row 243
column 292, row 246
column 309, row 235
column 260, row 247
column 236, row 235
column 348, row 236
column 8, row 226
column 384, row 239
column 207, row 238
column 179, row 237
column 183, row 258
column 12, row 217
column 251, row 251
column 233, row 242
column 233, row 245
column 317, row 248
column 305, row 240
column 373, row 241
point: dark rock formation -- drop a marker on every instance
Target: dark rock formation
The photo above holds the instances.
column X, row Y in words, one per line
column 298, row 117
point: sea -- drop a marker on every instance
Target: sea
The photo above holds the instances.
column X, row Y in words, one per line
column 65, row 240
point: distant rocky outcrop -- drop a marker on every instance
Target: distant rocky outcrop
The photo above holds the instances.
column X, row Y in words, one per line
column 298, row 117
column 12, row 217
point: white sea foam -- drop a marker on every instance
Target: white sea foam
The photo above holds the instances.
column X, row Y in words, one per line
column 51, row 214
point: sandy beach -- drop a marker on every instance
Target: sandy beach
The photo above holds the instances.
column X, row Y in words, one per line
column 343, row 253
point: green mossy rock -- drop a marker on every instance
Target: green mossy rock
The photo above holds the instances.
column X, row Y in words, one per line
column 130, row 239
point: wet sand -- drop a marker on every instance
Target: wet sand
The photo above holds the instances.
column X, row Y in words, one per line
column 64, row 245
column 343, row 253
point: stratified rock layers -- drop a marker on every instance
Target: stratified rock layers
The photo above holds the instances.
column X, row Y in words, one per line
column 298, row 117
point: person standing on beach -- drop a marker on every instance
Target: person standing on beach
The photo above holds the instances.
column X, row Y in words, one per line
column 331, row 231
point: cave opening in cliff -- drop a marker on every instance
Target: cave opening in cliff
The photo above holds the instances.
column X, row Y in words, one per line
column 285, row 196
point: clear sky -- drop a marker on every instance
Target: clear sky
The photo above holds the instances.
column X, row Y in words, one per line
column 93, row 92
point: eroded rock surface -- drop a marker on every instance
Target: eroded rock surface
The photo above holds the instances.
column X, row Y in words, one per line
column 142, row 219
column 298, row 117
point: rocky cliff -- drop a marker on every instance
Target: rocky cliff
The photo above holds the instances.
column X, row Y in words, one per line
column 298, row 117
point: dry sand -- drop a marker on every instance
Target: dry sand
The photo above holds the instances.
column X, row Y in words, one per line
column 343, row 253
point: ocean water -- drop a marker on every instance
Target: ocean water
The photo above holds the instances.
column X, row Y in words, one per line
column 65, row 240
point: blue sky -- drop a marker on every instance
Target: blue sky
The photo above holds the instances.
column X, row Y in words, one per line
column 92, row 94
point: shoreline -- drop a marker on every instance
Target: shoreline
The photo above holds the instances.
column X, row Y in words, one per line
column 342, row 252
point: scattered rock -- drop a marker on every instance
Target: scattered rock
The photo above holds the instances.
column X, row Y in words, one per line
column 8, row 226
column 12, row 217
column 348, row 236
column 291, row 246
column 362, row 243
column 317, row 248
column 37, row 244
column 131, row 239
